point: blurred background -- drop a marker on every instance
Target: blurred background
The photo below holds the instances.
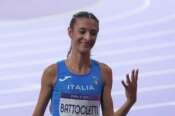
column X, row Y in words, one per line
column 133, row 34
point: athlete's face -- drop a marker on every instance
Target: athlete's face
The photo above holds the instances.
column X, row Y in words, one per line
column 83, row 34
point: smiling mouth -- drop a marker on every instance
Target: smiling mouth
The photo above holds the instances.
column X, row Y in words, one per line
column 85, row 44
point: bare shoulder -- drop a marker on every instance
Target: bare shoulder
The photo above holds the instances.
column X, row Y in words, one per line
column 106, row 72
column 105, row 68
column 49, row 75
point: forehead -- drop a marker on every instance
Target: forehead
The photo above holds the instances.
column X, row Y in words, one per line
column 86, row 23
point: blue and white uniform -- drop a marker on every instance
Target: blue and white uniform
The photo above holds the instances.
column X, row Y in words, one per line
column 77, row 95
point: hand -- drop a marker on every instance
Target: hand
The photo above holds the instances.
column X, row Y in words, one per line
column 131, row 86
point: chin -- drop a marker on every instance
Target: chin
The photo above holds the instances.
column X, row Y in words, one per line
column 85, row 50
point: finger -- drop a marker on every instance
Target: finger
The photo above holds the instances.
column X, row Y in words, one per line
column 123, row 83
column 128, row 79
column 136, row 76
column 132, row 75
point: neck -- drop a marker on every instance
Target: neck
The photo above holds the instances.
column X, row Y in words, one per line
column 78, row 62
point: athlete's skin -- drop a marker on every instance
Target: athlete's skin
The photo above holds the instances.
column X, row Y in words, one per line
column 83, row 37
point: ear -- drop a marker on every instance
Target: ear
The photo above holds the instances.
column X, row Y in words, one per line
column 69, row 32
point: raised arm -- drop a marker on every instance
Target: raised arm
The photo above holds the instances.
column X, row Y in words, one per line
column 47, row 82
column 131, row 93
column 130, row 90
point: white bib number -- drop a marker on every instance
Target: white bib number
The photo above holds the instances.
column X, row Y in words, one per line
column 76, row 107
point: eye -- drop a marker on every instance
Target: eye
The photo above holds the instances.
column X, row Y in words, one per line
column 93, row 32
column 82, row 31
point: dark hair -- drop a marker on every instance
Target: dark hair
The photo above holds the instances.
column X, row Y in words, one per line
column 81, row 14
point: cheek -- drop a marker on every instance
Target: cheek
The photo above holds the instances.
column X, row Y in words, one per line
column 76, row 41
column 76, row 38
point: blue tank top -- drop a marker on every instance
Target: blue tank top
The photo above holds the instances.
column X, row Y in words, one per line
column 77, row 95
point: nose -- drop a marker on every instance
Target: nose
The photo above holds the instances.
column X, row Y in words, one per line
column 87, row 36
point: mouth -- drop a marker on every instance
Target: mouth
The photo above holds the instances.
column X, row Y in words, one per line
column 85, row 44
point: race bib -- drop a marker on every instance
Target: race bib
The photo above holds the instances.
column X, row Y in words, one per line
column 76, row 105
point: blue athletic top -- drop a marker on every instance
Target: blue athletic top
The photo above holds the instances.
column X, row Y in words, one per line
column 75, row 94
